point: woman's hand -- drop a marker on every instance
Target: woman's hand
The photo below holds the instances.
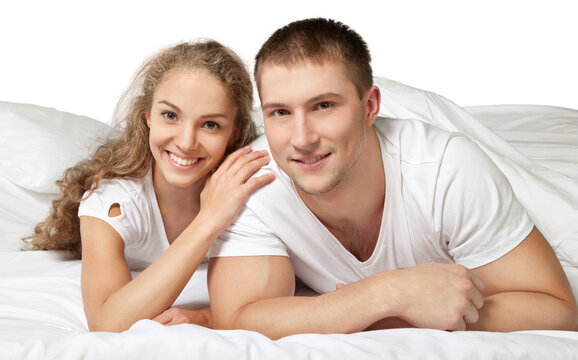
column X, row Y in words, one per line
column 175, row 316
column 227, row 189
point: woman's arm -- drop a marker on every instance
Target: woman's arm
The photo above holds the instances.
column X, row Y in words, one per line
column 113, row 301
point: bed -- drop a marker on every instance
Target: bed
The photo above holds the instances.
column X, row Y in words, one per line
column 41, row 314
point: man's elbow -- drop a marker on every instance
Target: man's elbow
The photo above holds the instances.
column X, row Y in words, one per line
column 572, row 323
column 106, row 326
column 223, row 321
column 565, row 315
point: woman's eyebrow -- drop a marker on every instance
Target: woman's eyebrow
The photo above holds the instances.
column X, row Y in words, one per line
column 169, row 104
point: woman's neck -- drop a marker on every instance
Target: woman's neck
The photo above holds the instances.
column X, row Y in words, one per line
column 178, row 205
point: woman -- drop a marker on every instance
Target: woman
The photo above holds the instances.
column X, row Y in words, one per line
column 157, row 196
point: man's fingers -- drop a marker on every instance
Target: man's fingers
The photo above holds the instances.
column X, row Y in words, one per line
column 478, row 282
column 476, row 297
column 471, row 315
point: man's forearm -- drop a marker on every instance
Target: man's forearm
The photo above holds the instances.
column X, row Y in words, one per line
column 526, row 289
column 432, row 296
column 513, row 311
column 344, row 311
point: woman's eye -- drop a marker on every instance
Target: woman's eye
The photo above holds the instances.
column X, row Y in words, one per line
column 169, row 115
column 211, row 125
column 324, row 105
column 280, row 112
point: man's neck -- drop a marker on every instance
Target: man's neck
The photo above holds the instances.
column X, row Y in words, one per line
column 352, row 210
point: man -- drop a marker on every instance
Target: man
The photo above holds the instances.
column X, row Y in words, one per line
column 394, row 222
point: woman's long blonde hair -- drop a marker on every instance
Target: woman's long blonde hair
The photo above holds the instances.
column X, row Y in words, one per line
column 128, row 154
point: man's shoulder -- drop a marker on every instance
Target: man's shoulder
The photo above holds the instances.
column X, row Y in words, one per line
column 260, row 143
column 413, row 140
column 280, row 190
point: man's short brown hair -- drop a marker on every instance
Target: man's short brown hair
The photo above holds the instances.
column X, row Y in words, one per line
column 318, row 40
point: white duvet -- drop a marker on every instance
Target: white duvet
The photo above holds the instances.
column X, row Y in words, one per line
column 41, row 315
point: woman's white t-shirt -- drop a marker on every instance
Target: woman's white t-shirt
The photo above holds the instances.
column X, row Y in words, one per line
column 142, row 229
column 140, row 224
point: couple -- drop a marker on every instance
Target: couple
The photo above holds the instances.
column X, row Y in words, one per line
column 394, row 222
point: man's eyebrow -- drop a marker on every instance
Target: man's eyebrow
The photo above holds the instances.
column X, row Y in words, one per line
column 312, row 100
column 273, row 105
column 325, row 96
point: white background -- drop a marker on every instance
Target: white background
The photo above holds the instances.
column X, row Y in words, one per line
column 78, row 56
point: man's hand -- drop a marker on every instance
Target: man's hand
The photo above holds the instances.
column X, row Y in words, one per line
column 439, row 296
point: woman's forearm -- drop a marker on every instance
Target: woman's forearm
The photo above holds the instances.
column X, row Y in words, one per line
column 158, row 286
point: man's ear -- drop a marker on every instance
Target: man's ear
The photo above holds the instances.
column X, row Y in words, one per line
column 373, row 103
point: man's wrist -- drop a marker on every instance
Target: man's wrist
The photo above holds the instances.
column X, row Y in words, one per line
column 385, row 294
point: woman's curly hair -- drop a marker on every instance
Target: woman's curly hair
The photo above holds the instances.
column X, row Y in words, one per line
column 128, row 154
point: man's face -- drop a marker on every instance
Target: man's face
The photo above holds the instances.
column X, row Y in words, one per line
column 315, row 123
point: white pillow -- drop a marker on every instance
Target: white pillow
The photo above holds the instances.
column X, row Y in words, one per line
column 39, row 143
column 20, row 211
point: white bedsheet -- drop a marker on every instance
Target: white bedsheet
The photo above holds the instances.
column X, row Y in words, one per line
column 41, row 317
column 41, row 314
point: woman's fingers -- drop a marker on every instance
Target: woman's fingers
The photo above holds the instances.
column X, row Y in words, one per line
column 232, row 157
column 175, row 316
column 243, row 164
column 165, row 317
column 258, row 181
column 239, row 167
column 228, row 187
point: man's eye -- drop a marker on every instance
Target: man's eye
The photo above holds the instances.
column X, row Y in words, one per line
column 211, row 125
column 324, row 105
column 280, row 112
column 169, row 115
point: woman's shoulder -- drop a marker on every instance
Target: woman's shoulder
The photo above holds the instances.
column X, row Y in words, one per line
column 128, row 185
column 119, row 190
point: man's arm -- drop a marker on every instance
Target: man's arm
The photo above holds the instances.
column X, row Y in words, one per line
column 256, row 293
column 526, row 289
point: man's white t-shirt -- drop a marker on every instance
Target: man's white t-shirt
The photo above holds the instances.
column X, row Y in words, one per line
column 445, row 202
column 140, row 225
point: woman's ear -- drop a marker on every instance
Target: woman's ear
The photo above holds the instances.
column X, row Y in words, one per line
column 373, row 102
column 147, row 116
column 234, row 136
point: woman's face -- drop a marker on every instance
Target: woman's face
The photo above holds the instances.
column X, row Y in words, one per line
column 191, row 121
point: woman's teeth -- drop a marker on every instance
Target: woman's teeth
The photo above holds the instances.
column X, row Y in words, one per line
column 181, row 161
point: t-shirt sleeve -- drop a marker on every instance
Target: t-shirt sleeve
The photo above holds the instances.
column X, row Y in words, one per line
column 128, row 225
column 479, row 216
column 248, row 236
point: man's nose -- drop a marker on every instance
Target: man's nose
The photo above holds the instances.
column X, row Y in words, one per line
column 303, row 134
